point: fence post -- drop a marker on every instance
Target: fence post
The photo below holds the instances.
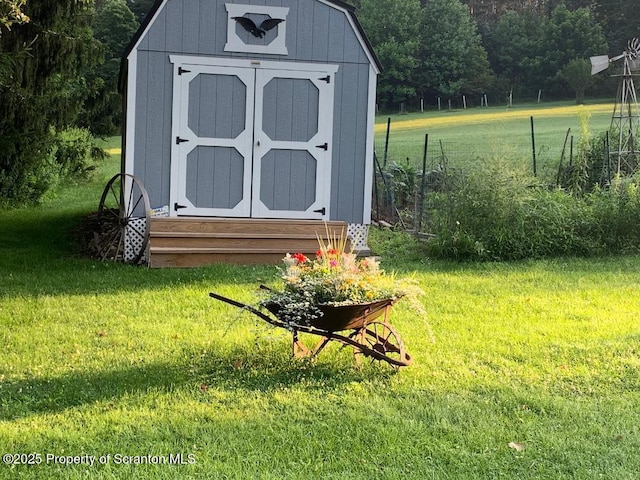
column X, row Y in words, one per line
column 533, row 148
column 423, row 181
column 607, row 157
column 386, row 143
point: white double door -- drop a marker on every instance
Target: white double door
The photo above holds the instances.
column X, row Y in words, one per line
column 251, row 139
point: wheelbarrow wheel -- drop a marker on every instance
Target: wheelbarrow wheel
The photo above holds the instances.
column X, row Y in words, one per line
column 380, row 341
column 123, row 220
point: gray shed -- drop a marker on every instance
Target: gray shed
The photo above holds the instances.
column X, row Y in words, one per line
column 252, row 109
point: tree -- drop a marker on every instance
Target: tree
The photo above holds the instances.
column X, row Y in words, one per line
column 568, row 34
column 577, row 74
column 530, row 49
column 43, row 90
column 452, row 58
column 114, row 26
column 140, row 8
column 395, row 40
column 11, row 12
column 619, row 22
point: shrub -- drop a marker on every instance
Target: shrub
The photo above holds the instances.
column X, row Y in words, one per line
column 69, row 154
column 76, row 153
column 500, row 214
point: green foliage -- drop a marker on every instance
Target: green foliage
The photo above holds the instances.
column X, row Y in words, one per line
column 396, row 41
column 500, row 214
column 452, row 58
column 114, row 26
column 618, row 19
column 576, row 176
column 140, row 8
column 531, row 49
column 76, row 153
column 577, row 74
column 70, row 155
column 11, row 13
column 43, row 90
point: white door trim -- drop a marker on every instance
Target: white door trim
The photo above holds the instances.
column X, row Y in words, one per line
column 263, row 144
column 252, row 149
column 243, row 143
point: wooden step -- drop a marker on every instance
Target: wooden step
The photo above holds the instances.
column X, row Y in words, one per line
column 189, row 242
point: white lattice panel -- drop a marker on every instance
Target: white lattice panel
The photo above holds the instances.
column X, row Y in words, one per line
column 358, row 235
column 133, row 243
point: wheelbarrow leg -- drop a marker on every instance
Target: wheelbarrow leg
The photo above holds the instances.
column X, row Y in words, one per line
column 300, row 350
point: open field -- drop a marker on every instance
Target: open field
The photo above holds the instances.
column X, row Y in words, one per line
column 527, row 370
column 479, row 135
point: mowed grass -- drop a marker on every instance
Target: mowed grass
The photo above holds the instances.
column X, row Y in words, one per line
column 527, row 370
column 472, row 137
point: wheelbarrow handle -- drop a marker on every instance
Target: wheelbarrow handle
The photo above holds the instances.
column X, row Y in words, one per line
column 249, row 308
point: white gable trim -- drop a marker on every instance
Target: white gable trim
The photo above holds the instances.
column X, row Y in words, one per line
column 132, row 65
column 136, row 45
column 369, row 165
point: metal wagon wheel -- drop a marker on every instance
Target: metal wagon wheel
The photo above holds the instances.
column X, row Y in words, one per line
column 123, row 220
column 380, row 341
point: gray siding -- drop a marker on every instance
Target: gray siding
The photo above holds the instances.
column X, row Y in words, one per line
column 316, row 32
column 152, row 148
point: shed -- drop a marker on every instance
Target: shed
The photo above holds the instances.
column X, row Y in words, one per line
column 255, row 116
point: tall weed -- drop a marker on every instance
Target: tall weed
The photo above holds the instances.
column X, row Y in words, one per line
column 501, row 214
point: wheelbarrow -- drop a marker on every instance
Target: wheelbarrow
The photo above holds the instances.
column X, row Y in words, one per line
column 364, row 327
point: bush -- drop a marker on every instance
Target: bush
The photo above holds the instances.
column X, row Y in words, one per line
column 500, row 214
column 69, row 154
column 76, row 153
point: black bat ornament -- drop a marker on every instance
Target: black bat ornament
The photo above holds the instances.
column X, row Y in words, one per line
column 258, row 31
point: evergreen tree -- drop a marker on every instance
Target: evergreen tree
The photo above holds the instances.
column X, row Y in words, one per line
column 43, row 90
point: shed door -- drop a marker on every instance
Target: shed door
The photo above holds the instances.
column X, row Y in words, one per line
column 252, row 142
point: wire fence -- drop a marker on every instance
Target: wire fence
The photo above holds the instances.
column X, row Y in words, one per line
column 403, row 187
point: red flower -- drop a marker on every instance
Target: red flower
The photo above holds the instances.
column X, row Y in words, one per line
column 299, row 257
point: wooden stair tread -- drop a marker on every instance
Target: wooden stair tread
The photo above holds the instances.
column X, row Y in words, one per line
column 238, row 250
column 194, row 241
column 301, row 236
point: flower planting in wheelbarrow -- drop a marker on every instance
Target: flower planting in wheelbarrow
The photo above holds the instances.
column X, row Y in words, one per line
column 338, row 297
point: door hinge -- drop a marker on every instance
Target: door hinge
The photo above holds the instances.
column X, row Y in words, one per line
column 326, row 79
column 182, row 70
column 321, row 211
column 324, row 146
column 180, row 140
column 177, row 206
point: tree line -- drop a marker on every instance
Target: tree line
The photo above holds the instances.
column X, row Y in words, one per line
column 59, row 63
column 452, row 48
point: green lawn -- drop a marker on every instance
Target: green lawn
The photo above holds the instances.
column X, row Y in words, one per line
column 129, row 365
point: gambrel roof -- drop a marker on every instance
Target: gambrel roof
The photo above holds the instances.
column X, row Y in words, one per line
column 349, row 10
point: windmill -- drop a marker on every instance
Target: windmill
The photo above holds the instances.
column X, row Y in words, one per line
column 625, row 120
